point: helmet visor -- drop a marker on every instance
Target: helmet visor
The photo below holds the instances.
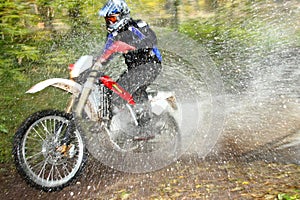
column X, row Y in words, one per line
column 111, row 19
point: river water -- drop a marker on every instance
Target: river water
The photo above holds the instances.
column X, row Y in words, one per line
column 239, row 101
column 242, row 102
column 248, row 97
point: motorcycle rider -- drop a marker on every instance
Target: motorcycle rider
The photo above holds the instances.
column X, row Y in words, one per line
column 143, row 60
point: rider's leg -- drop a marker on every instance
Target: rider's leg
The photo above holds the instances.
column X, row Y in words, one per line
column 142, row 108
column 136, row 80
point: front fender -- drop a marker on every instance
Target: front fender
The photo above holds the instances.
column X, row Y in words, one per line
column 64, row 84
column 71, row 87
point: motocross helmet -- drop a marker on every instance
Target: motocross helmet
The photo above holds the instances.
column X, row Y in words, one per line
column 116, row 14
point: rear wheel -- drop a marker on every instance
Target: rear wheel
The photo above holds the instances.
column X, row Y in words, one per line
column 166, row 136
column 125, row 153
column 161, row 132
column 49, row 151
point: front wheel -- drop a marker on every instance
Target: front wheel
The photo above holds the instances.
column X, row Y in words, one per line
column 49, row 151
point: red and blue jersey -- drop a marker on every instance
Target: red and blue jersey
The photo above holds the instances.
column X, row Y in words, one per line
column 136, row 41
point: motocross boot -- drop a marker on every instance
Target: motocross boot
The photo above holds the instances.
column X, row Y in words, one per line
column 143, row 114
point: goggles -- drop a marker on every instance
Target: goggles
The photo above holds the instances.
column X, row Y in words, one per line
column 112, row 19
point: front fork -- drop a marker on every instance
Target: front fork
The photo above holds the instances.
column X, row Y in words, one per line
column 66, row 148
column 71, row 101
column 70, row 104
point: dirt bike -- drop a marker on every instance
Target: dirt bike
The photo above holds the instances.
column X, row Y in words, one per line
column 51, row 147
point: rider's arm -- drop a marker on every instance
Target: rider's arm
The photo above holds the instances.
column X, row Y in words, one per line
column 106, row 53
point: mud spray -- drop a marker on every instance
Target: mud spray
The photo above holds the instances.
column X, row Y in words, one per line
column 257, row 119
column 259, row 122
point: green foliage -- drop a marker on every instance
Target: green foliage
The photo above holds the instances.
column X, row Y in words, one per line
column 17, row 34
column 33, row 33
column 283, row 196
column 3, row 129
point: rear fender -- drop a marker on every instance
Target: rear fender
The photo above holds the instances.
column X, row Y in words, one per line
column 163, row 101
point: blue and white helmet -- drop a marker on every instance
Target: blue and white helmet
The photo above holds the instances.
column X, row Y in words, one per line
column 115, row 7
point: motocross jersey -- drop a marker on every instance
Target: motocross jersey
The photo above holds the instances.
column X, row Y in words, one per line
column 136, row 41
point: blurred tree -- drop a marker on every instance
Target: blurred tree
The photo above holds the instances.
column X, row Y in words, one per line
column 211, row 4
column 172, row 7
column 17, row 29
column 29, row 28
column 45, row 10
column 77, row 18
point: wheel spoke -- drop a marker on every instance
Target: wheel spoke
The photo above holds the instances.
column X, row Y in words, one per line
column 42, row 171
column 33, row 156
column 45, row 128
column 31, row 138
column 37, row 164
column 65, row 168
column 50, row 173
column 57, row 133
column 58, row 172
column 39, row 134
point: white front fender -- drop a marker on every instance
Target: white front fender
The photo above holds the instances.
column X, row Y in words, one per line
column 71, row 87
column 64, row 84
